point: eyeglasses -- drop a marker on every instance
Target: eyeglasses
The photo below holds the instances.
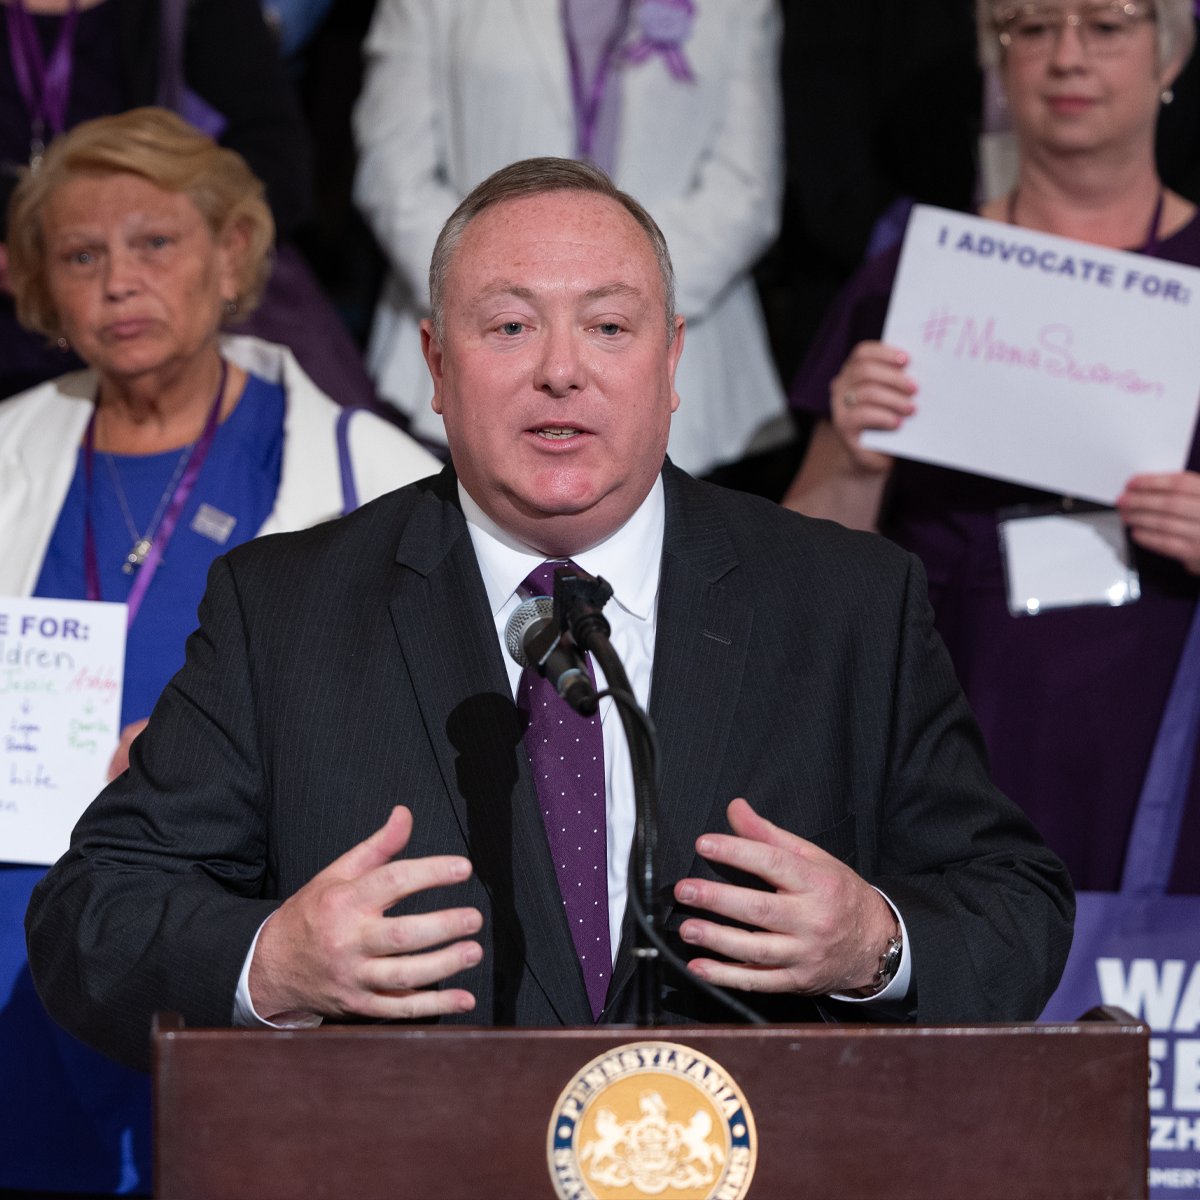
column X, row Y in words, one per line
column 1104, row 29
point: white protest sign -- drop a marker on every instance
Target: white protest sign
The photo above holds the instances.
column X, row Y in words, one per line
column 1042, row 360
column 61, row 666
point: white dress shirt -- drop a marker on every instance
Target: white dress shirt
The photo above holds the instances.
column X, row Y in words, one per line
column 629, row 560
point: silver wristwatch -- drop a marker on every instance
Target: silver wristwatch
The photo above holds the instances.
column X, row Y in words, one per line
column 889, row 962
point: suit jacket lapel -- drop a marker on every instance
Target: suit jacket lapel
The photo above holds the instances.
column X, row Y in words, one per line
column 442, row 621
column 703, row 631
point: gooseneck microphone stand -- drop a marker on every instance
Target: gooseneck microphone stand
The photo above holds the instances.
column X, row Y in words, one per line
column 578, row 599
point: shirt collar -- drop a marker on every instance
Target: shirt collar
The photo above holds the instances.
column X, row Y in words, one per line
column 629, row 559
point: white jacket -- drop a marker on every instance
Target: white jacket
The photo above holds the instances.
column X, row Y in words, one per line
column 456, row 89
column 41, row 429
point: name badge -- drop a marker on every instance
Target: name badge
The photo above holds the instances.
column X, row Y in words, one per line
column 1057, row 558
column 213, row 524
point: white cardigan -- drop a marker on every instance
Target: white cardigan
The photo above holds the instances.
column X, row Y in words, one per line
column 455, row 89
column 40, row 430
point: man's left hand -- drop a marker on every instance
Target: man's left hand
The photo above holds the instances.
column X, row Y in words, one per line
column 821, row 930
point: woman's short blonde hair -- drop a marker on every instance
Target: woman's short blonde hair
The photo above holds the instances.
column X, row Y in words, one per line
column 162, row 148
column 1173, row 18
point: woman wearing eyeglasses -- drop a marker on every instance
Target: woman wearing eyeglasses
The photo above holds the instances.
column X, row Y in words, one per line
column 1070, row 701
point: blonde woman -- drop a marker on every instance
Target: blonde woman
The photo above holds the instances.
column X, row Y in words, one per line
column 133, row 243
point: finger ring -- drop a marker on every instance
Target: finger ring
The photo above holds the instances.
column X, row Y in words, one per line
column 849, row 399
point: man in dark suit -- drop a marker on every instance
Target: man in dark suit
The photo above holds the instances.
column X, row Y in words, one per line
column 332, row 814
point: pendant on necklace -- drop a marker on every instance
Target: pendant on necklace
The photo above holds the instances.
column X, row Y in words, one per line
column 137, row 555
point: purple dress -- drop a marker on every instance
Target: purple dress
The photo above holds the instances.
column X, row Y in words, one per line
column 1069, row 701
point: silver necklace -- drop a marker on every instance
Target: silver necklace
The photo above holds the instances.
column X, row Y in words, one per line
column 144, row 542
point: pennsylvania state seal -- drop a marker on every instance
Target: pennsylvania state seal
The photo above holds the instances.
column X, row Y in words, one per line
column 652, row 1119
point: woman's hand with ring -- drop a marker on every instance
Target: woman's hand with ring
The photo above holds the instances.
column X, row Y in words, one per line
column 871, row 391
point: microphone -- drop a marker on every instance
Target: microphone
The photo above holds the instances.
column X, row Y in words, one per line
column 533, row 639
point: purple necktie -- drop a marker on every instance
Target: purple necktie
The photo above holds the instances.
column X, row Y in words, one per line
column 566, row 752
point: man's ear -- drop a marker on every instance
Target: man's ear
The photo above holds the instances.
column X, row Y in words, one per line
column 674, row 351
column 431, row 347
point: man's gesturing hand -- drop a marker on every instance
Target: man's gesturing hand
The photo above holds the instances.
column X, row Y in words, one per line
column 330, row 950
column 821, row 930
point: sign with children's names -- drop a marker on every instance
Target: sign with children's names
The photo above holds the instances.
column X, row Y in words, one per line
column 61, row 666
column 1041, row 360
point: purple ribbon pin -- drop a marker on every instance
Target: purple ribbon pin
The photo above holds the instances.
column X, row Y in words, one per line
column 664, row 26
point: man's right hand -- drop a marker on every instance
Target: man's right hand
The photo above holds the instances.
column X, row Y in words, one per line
column 329, row 949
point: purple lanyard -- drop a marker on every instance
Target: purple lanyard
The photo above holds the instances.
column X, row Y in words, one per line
column 166, row 529
column 345, row 465
column 1149, row 246
column 45, row 86
column 587, row 101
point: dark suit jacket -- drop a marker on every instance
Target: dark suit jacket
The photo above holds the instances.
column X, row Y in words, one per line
column 345, row 669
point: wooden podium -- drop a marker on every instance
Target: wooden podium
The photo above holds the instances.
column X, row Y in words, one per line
column 1001, row 1112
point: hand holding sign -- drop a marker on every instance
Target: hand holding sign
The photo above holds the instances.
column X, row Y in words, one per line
column 1044, row 361
column 871, row 391
column 119, row 762
column 1163, row 515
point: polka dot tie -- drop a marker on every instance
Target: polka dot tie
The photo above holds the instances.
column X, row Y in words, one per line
column 566, row 752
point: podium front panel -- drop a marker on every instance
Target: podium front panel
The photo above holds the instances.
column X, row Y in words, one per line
column 1004, row 1112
